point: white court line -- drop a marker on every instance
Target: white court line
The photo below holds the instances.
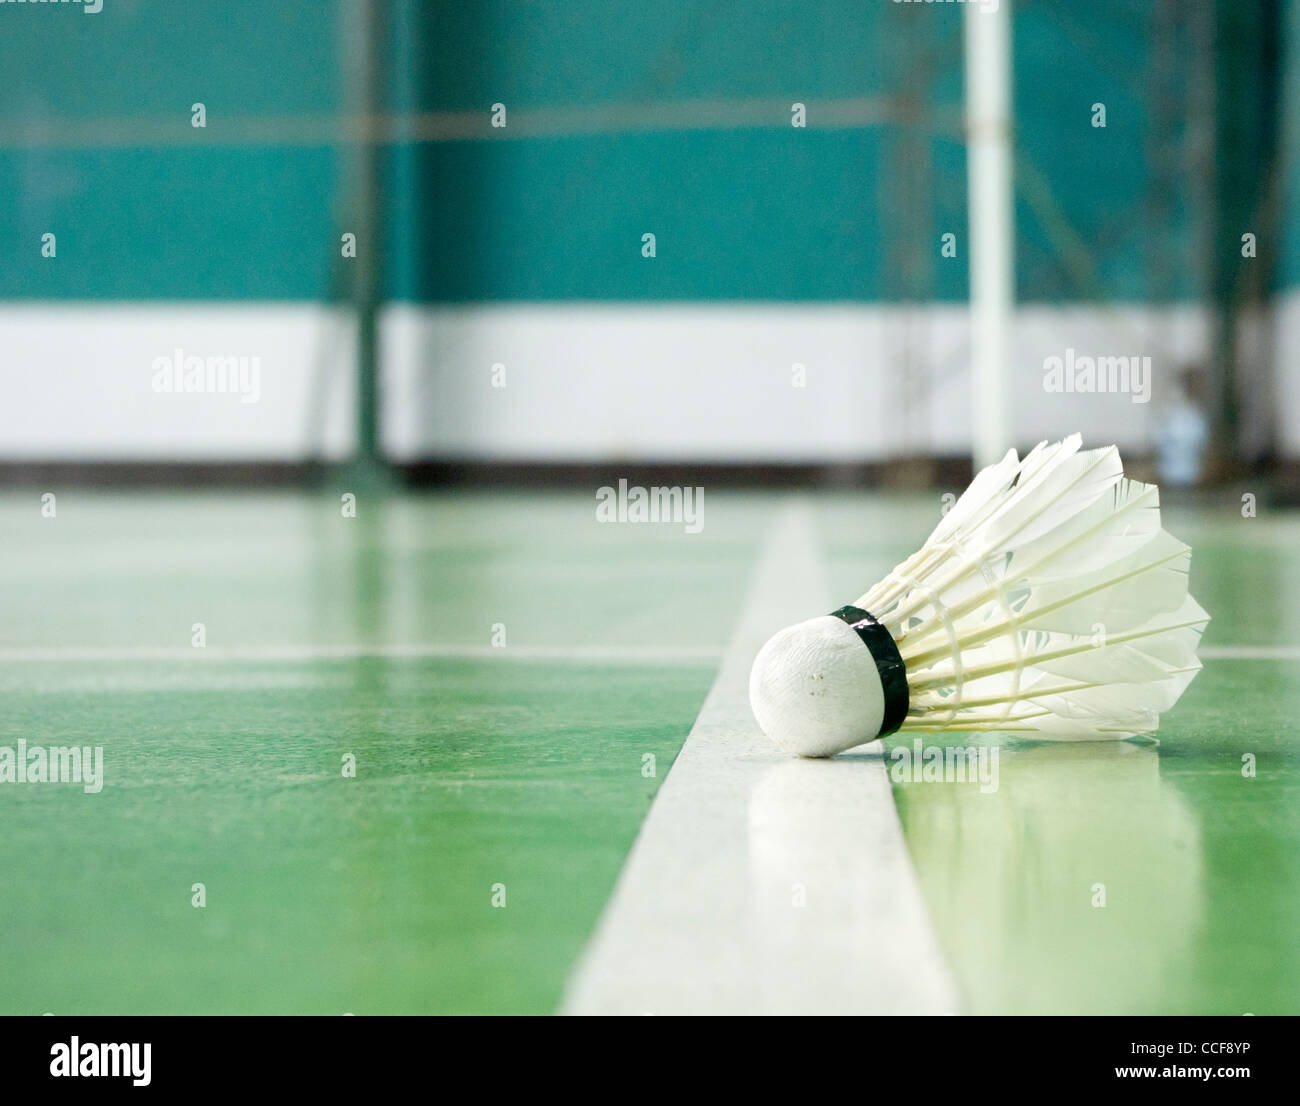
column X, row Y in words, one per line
column 761, row 883
column 1249, row 652
column 576, row 654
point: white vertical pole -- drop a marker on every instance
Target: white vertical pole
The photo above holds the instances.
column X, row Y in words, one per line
column 992, row 226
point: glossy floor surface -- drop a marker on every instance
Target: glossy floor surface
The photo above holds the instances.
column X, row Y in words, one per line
column 512, row 680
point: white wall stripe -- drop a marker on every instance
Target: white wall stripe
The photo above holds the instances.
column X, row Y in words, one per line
column 880, row 380
column 704, row 917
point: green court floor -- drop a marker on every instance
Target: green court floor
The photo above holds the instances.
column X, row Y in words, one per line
column 514, row 680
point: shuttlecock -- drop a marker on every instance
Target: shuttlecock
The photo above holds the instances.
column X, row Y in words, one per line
column 1047, row 602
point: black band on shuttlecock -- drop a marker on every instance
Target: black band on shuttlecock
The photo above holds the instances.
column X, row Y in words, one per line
column 889, row 663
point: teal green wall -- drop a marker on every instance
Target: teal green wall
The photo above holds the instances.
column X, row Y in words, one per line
column 1288, row 254
column 164, row 210
column 750, row 213
column 1095, row 180
column 762, row 212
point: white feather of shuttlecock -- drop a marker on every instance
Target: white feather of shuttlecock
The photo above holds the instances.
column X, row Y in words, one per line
column 1048, row 601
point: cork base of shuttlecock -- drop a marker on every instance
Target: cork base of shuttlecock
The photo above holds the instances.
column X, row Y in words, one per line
column 815, row 689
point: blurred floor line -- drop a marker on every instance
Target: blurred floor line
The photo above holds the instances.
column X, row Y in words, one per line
column 1249, row 652
column 577, row 654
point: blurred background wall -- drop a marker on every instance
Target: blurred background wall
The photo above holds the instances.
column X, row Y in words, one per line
column 799, row 306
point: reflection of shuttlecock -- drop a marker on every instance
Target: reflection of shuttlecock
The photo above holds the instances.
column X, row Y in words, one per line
column 1078, row 885
column 1048, row 601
